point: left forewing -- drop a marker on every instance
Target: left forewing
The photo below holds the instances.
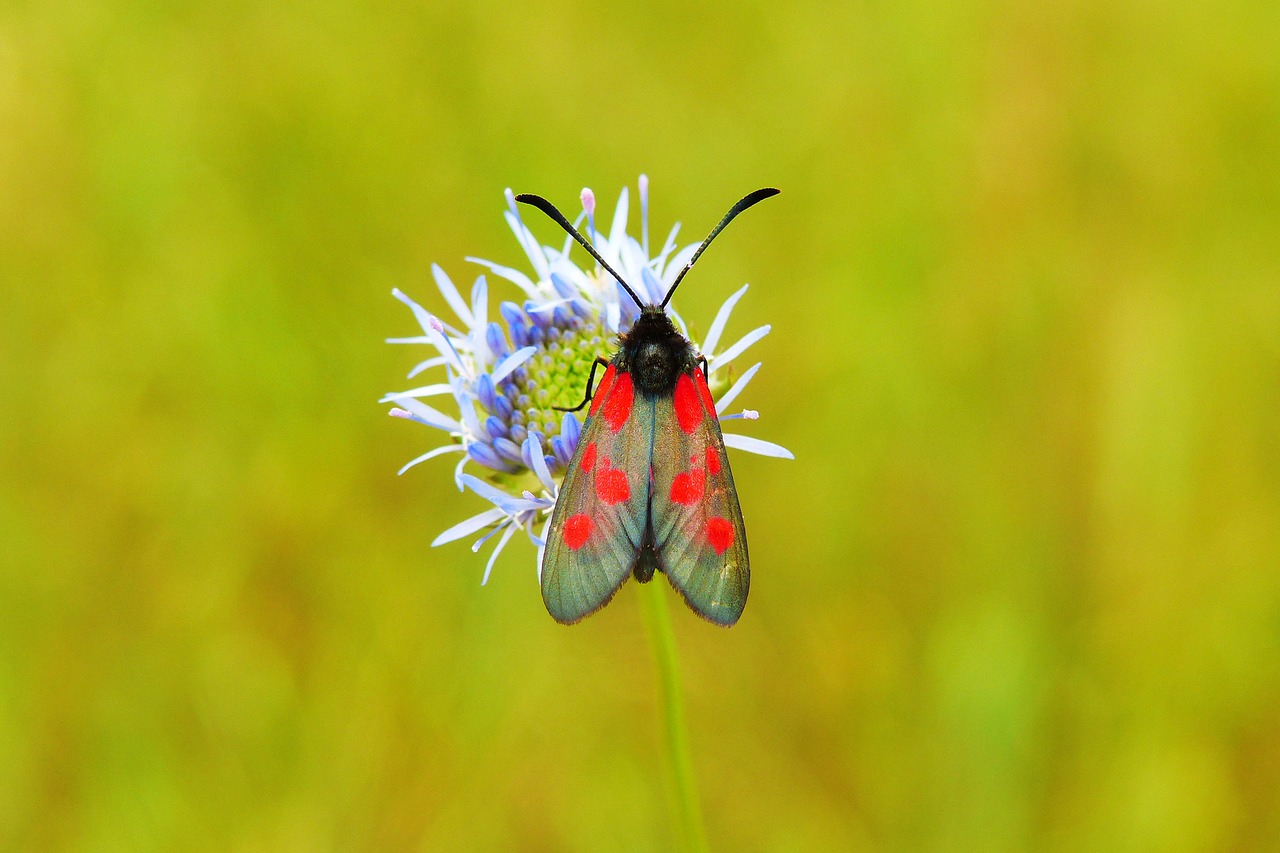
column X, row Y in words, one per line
column 599, row 522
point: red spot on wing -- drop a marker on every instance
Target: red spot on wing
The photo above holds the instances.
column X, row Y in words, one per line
column 713, row 460
column 588, row 457
column 577, row 530
column 719, row 534
column 688, row 488
column 611, row 485
column 602, row 390
column 617, row 406
column 688, row 410
column 705, row 393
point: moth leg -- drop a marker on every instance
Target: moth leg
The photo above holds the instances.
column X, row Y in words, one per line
column 591, row 378
column 702, row 359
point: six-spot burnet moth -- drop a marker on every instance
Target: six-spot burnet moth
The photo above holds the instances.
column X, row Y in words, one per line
column 649, row 487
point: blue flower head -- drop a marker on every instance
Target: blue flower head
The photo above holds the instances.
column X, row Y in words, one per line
column 505, row 378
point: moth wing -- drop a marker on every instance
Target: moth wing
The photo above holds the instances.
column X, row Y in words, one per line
column 698, row 532
column 600, row 518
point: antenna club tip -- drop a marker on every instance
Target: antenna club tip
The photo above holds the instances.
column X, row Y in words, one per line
column 588, row 200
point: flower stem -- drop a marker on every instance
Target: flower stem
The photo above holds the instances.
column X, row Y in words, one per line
column 658, row 621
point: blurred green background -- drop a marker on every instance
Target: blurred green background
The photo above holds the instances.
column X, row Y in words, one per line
column 1019, row 590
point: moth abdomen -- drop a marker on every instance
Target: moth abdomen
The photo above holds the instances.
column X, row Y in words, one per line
column 646, row 564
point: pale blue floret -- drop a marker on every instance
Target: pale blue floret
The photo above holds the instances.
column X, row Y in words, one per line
column 488, row 374
column 487, row 393
column 495, row 340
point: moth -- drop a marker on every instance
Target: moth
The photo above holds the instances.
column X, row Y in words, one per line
column 649, row 487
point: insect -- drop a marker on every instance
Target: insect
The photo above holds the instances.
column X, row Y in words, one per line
column 649, row 487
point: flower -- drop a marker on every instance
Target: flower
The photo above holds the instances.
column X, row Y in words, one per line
column 506, row 378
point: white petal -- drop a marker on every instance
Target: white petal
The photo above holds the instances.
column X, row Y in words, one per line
column 539, row 461
column 549, row 307
column 514, row 276
column 452, row 296
column 650, row 285
column 722, row 404
column 679, row 321
column 461, row 340
column 497, row 549
column 422, row 315
column 737, row 349
column 534, row 539
column 480, row 304
column 431, row 454
column 708, row 346
column 469, row 526
column 509, row 503
column 618, row 231
column 542, row 549
column 417, row 339
column 467, row 411
column 530, row 245
column 507, row 366
column 675, row 265
column 436, row 361
column 424, row 391
column 756, row 445
column 668, row 246
column 437, row 338
column 568, row 241
column 572, row 273
column 457, row 471
column 430, row 416
column 479, row 543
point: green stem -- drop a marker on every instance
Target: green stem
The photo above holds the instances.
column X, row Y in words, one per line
column 658, row 620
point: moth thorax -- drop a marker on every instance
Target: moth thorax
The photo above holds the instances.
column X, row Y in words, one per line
column 654, row 367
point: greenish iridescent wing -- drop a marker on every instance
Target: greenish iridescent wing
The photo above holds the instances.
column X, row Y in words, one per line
column 599, row 522
column 698, row 532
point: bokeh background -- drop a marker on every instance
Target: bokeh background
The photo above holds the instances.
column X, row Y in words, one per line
column 1020, row 588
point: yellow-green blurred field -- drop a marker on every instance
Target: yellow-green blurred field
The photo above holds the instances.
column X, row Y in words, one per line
column 1020, row 589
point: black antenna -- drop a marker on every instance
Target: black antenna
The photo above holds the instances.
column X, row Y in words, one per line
column 747, row 200
column 550, row 210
